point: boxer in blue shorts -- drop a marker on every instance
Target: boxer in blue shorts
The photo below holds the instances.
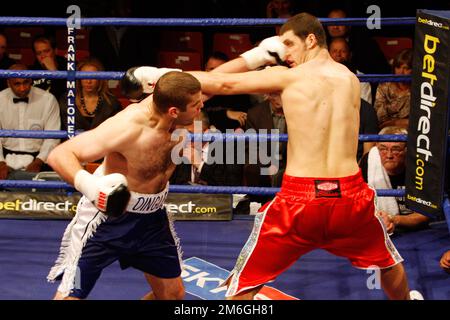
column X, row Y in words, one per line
column 121, row 215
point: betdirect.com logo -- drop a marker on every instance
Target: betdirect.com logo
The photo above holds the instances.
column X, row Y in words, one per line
column 432, row 23
column 34, row 205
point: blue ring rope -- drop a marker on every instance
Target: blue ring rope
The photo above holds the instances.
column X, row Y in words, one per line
column 117, row 75
column 195, row 22
column 60, row 134
column 179, row 188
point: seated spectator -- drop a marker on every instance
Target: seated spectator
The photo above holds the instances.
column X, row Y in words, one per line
column 384, row 168
column 94, row 103
column 225, row 112
column 196, row 170
column 392, row 100
column 368, row 124
column 340, row 52
column 267, row 115
column 367, row 56
column 25, row 107
column 120, row 47
column 5, row 61
column 445, row 261
column 44, row 48
column 279, row 9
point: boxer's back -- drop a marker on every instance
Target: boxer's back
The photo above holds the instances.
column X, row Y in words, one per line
column 322, row 114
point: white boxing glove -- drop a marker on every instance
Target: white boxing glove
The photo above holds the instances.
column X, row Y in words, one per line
column 109, row 193
column 148, row 76
column 265, row 53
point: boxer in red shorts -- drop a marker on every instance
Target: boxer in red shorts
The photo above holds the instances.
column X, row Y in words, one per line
column 323, row 202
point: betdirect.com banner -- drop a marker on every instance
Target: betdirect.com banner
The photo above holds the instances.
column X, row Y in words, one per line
column 34, row 205
column 428, row 121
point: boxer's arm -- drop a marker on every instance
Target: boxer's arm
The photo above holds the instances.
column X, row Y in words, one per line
column 110, row 136
column 269, row 80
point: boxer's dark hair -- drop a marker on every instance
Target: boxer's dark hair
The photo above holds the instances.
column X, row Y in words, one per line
column 175, row 89
column 303, row 24
column 129, row 84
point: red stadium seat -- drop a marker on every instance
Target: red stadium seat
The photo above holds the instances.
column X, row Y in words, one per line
column 181, row 41
column 392, row 46
column 232, row 44
column 22, row 37
column 22, row 55
column 180, row 60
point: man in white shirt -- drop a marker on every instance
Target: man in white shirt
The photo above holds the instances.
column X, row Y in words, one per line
column 24, row 107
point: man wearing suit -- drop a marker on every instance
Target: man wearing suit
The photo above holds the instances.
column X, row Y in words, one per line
column 196, row 170
column 267, row 115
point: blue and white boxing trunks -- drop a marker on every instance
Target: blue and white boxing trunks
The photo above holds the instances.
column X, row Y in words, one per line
column 143, row 238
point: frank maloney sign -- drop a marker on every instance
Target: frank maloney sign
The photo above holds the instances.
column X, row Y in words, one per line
column 35, row 205
column 429, row 115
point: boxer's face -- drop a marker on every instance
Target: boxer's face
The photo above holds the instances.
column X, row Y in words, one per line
column 193, row 108
column 295, row 48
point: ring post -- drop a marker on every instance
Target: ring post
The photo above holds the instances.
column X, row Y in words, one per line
column 428, row 119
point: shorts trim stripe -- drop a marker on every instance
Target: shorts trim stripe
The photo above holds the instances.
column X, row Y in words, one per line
column 244, row 256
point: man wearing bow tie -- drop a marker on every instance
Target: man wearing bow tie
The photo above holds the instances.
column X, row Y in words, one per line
column 24, row 107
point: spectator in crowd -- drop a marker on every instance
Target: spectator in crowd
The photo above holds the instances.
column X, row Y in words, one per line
column 445, row 261
column 5, row 60
column 368, row 124
column 384, row 167
column 121, row 47
column 25, row 107
column 367, row 56
column 340, row 52
column 44, row 48
column 279, row 9
column 393, row 99
column 267, row 115
column 94, row 103
column 195, row 168
column 225, row 112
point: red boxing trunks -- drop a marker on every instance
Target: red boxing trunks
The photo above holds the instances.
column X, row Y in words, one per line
column 337, row 215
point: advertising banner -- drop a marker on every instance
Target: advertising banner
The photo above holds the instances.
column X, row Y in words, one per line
column 46, row 205
column 428, row 120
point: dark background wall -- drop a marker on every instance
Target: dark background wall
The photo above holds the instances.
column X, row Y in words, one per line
column 214, row 8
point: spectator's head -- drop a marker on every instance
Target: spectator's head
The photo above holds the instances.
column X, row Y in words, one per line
column 275, row 102
column 202, row 119
column 302, row 33
column 393, row 154
column 340, row 50
column 44, row 47
column 402, row 63
column 3, row 45
column 338, row 31
column 92, row 86
column 20, row 86
column 279, row 9
column 178, row 94
column 216, row 59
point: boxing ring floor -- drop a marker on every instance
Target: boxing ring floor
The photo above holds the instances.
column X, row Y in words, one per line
column 28, row 249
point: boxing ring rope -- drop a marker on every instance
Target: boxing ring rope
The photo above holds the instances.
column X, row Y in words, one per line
column 117, row 75
column 393, row 21
column 194, row 22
